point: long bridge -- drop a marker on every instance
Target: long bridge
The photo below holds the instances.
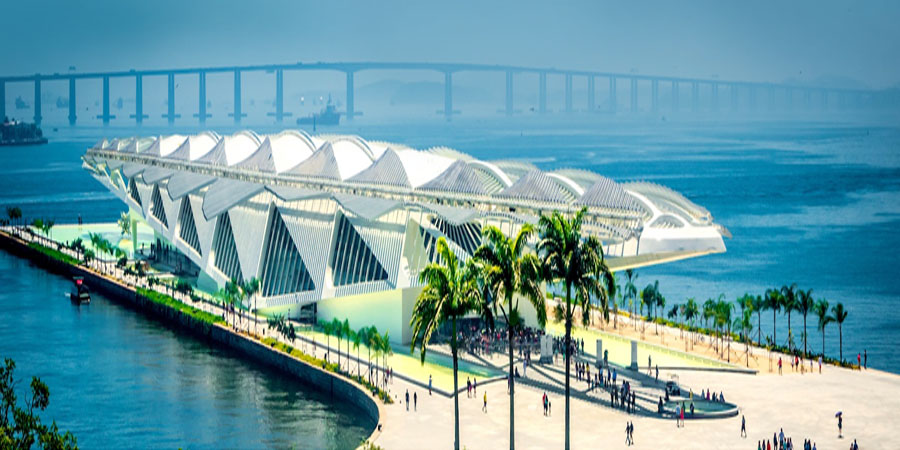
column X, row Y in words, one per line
column 777, row 96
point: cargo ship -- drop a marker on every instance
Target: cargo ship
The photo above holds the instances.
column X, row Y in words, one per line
column 20, row 133
column 328, row 116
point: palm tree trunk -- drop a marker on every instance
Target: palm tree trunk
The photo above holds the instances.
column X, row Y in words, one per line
column 841, row 341
column 512, row 388
column 455, row 389
column 774, row 333
column 804, row 336
column 790, row 341
column 759, row 328
column 568, row 354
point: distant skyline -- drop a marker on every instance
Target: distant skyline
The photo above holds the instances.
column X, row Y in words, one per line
column 831, row 42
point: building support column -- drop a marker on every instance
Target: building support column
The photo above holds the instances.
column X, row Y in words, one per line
column 509, row 93
column 654, row 95
column 72, row 103
column 37, row 101
column 590, row 94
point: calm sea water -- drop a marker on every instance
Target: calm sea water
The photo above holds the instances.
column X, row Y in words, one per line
column 120, row 380
column 812, row 203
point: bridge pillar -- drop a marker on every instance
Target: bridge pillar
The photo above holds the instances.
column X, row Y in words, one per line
column 350, row 106
column 542, row 93
column 612, row 95
column 751, row 98
column 568, row 92
column 591, row 104
column 734, row 97
column 237, row 97
column 170, row 115
column 105, row 116
column 715, row 96
column 634, row 95
column 654, row 95
column 509, row 93
column 279, row 97
column 676, row 90
column 695, row 96
column 201, row 97
column 448, row 95
column 37, row 101
column 72, row 107
column 139, row 99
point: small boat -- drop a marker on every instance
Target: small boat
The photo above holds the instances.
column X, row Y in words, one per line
column 80, row 292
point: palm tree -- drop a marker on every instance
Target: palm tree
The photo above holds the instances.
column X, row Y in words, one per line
column 840, row 315
column 372, row 345
column 824, row 319
column 773, row 302
column 578, row 264
column 328, row 329
column 631, row 291
column 348, row 333
column 723, row 320
column 384, row 342
column 451, row 291
column 510, row 270
column 690, row 312
column 759, row 304
column 805, row 305
column 358, row 338
column 789, row 303
column 337, row 328
column 249, row 289
column 745, row 323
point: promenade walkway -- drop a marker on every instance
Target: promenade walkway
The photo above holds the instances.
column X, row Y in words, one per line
column 802, row 404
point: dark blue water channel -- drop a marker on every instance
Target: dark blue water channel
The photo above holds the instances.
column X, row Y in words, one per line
column 120, row 380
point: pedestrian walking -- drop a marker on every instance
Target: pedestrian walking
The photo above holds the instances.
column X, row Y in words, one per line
column 484, row 408
column 415, row 400
column 407, row 399
column 743, row 427
column 866, row 359
column 429, row 384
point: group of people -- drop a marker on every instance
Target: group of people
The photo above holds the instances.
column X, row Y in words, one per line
column 712, row 397
column 415, row 400
column 780, row 442
column 629, row 433
column 623, row 397
column 471, row 387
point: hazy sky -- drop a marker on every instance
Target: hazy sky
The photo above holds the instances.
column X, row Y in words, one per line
column 753, row 40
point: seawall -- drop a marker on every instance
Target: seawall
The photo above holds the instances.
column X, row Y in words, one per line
column 338, row 387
